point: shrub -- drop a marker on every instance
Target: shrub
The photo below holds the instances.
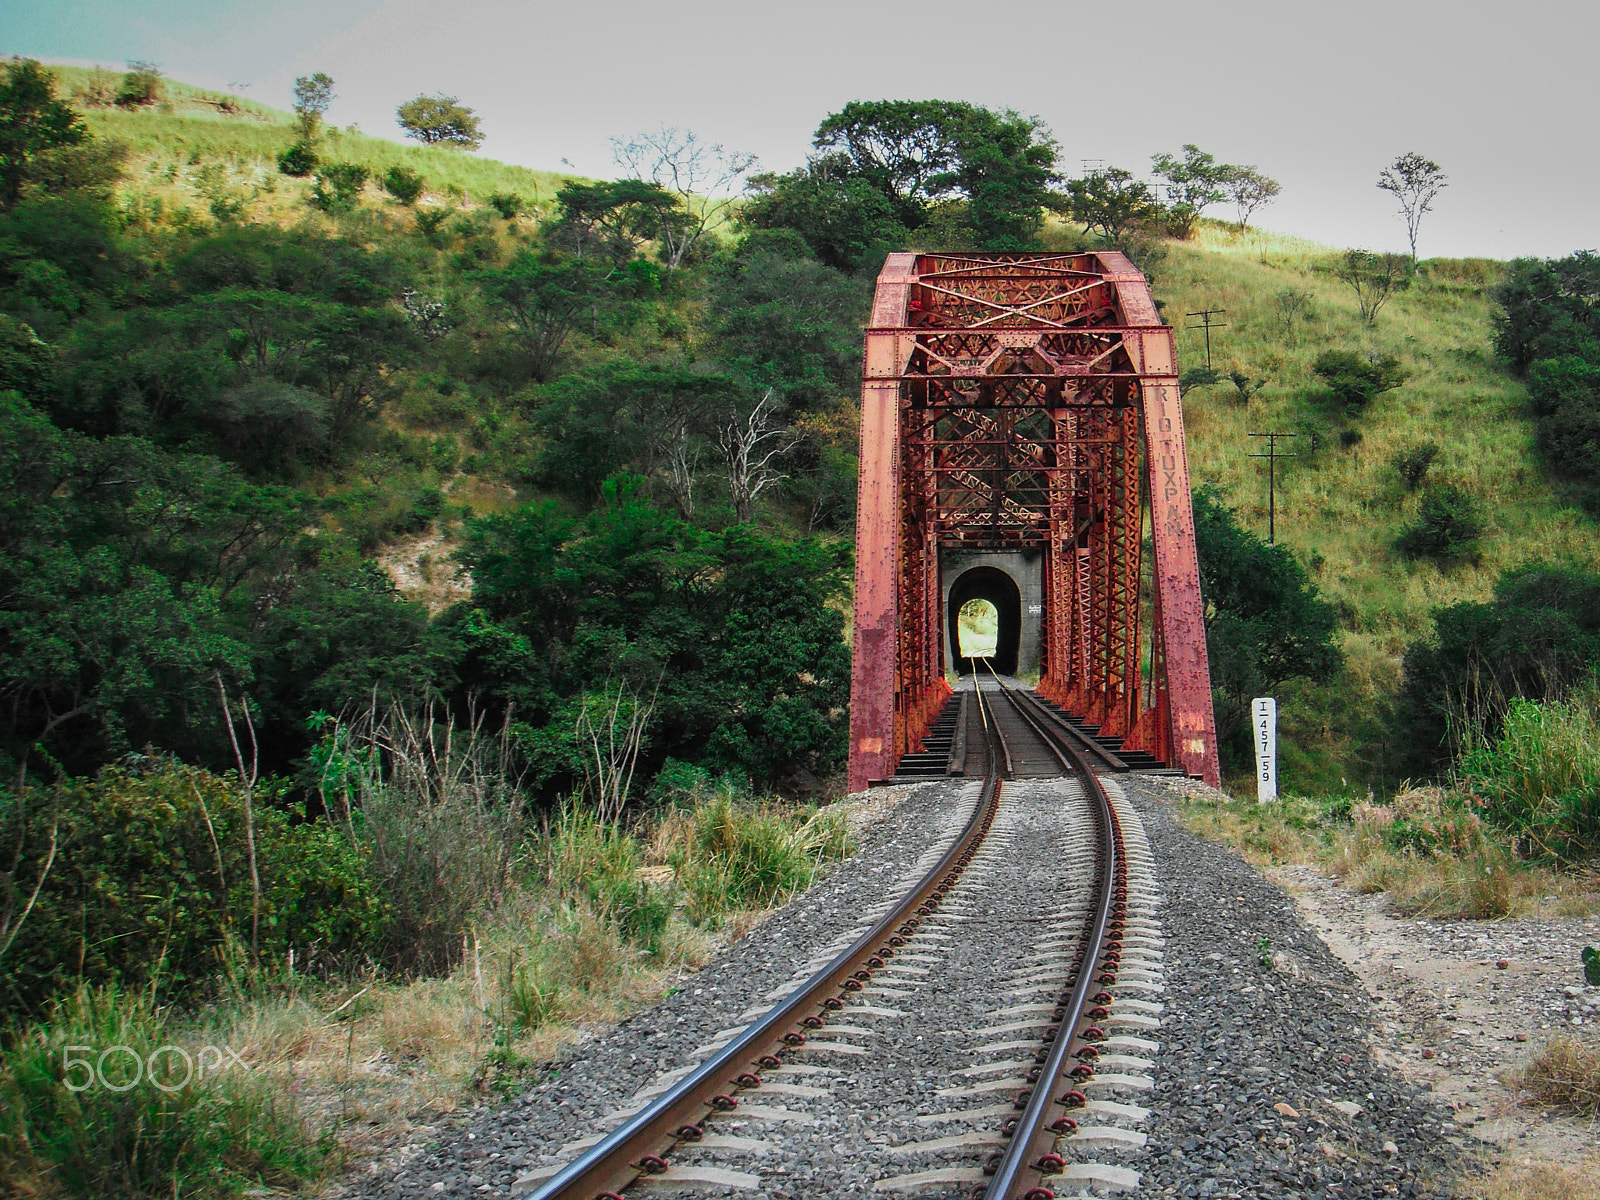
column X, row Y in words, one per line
column 430, row 221
column 404, row 184
column 339, row 186
column 438, row 816
column 1412, row 465
column 1354, row 380
column 1448, row 525
column 1566, row 1073
column 299, row 160
column 508, row 204
column 141, row 86
column 222, row 1133
column 1540, row 778
column 150, row 883
column 733, row 854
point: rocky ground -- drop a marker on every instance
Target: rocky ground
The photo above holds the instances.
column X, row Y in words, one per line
column 1460, row 1006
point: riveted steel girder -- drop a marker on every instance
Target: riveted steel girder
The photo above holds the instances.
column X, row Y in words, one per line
column 1028, row 401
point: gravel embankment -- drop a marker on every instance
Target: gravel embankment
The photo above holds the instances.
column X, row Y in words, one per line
column 1268, row 1086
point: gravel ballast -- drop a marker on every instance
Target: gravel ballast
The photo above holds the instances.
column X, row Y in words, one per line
column 1252, row 1057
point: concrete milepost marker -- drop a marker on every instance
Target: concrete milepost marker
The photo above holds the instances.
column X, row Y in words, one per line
column 1264, row 720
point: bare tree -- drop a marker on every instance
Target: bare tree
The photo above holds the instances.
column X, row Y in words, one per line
column 610, row 731
column 703, row 176
column 247, row 781
column 1373, row 278
column 751, row 443
column 1414, row 181
column 11, row 920
column 1249, row 190
column 1292, row 305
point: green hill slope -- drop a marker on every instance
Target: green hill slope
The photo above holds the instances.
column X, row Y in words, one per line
column 1340, row 503
column 1340, row 507
column 193, row 125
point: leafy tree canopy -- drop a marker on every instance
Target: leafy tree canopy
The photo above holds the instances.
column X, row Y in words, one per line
column 1538, row 636
column 1265, row 622
column 440, row 121
column 32, row 123
column 884, row 166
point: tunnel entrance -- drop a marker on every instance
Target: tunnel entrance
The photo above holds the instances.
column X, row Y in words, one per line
column 996, row 590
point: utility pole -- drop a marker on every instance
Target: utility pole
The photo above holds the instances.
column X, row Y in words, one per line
column 1206, row 323
column 1272, row 456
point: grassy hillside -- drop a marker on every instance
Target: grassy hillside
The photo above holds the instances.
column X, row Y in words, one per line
column 1340, row 508
column 193, row 126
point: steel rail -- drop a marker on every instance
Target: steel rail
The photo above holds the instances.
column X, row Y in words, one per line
column 1084, row 740
column 1029, row 1159
column 639, row 1146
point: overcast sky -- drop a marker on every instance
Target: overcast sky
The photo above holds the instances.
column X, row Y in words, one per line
column 1320, row 96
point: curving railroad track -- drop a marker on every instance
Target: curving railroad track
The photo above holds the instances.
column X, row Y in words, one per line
column 1020, row 933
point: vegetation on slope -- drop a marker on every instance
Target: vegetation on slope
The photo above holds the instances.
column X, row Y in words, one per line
column 253, row 370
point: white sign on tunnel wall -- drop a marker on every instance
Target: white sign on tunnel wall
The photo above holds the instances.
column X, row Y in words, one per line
column 1264, row 720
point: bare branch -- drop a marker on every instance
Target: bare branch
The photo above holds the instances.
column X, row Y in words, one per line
column 705, row 177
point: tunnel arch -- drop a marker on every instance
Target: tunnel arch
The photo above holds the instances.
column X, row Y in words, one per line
column 1000, row 590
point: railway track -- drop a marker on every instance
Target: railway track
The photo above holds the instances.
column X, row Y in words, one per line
column 978, row 1002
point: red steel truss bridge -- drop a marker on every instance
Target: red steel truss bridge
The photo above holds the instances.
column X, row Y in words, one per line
column 1022, row 442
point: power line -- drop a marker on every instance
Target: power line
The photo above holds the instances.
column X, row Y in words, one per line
column 1206, row 323
column 1272, row 456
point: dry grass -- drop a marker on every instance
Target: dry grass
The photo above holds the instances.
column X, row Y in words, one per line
column 1537, row 1181
column 1566, row 1075
column 1429, row 857
column 375, row 1057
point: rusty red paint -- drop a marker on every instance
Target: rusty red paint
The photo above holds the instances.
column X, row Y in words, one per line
column 1027, row 401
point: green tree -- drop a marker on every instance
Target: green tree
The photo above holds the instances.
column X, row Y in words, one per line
column 1355, row 380
column 1005, row 169
column 544, row 300
column 1538, row 636
column 1548, row 308
column 1110, row 201
column 733, row 632
column 653, row 420
column 613, row 218
column 915, row 155
column 141, row 86
column 843, row 219
column 1265, row 623
column 32, row 123
column 440, row 121
column 312, row 96
column 784, row 321
column 1448, row 525
column 1249, row 190
column 1194, row 183
column 1415, row 182
column 905, row 150
column 1374, row 278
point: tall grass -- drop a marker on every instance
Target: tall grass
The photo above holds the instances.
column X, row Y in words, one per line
column 727, row 854
column 1540, row 778
column 113, row 1130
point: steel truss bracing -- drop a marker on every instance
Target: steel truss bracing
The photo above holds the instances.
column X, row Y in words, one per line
column 1028, row 401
